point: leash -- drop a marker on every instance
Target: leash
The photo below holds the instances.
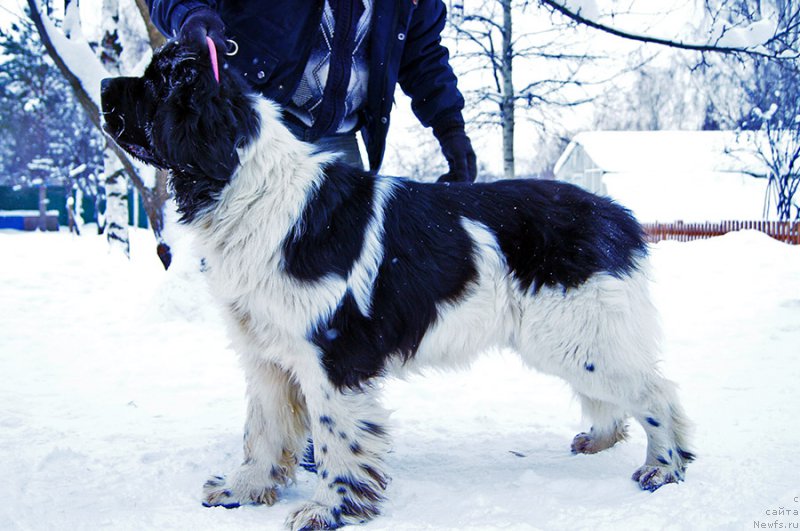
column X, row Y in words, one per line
column 212, row 51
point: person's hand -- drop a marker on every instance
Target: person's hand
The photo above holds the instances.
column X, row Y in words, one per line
column 200, row 24
column 457, row 150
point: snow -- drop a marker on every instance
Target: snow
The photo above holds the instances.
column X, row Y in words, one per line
column 586, row 8
column 689, row 196
column 32, row 105
column 120, row 397
column 678, row 175
column 669, row 151
column 751, row 36
column 77, row 170
column 79, row 58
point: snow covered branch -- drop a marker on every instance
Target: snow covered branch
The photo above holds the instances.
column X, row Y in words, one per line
column 753, row 39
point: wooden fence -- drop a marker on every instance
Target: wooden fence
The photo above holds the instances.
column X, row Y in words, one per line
column 784, row 231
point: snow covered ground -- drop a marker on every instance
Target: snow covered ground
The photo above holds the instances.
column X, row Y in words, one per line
column 119, row 397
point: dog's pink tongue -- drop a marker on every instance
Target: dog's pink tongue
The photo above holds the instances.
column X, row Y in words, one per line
column 212, row 51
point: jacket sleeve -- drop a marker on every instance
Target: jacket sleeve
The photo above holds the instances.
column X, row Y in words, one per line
column 425, row 73
column 168, row 15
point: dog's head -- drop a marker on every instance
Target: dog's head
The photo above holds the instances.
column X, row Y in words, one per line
column 178, row 117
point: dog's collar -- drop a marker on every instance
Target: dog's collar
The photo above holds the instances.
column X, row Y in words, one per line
column 212, row 51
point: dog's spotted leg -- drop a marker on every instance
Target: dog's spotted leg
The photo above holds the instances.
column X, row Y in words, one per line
column 274, row 435
column 350, row 439
column 666, row 426
column 654, row 404
column 603, row 338
column 608, row 427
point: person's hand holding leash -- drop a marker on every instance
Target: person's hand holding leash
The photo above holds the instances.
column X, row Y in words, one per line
column 200, row 24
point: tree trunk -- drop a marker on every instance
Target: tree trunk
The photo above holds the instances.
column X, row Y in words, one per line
column 75, row 211
column 43, row 207
column 156, row 39
column 154, row 206
column 116, row 181
column 116, row 185
column 507, row 104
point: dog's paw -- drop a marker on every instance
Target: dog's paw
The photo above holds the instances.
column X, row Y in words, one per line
column 312, row 516
column 597, row 440
column 650, row 477
column 591, row 443
column 219, row 492
column 583, row 443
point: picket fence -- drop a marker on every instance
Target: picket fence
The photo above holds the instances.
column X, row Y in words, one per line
column 784, row 231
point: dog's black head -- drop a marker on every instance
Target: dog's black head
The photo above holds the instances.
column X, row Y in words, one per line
column 178, row 117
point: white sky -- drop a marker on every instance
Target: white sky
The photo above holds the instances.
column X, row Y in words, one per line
column 10, row 10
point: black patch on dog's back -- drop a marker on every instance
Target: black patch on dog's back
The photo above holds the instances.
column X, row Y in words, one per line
column 330, row 234
column 550, row 234
column 553, row 233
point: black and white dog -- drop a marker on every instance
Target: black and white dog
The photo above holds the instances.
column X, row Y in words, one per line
column 332, row 277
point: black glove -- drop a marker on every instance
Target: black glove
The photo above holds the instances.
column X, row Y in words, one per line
column 199, row 24
column 457, row 149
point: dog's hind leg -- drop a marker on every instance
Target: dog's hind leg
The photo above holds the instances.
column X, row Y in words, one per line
column 652, row 401
column 350, row 439
column 666, row 425
column 603, row 338
column 274, row 435
column 608, row 427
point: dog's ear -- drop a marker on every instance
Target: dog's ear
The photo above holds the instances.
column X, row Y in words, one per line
column 195, row 128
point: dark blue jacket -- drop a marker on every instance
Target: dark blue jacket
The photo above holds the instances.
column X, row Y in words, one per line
column 275, row 38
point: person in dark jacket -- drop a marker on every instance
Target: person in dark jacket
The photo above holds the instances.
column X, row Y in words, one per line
column 333, row 66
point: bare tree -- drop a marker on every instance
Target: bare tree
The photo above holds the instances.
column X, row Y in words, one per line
column 654, row 97
column 761, row 94
column 535, row 68
column 774, row 96
column 781, row 155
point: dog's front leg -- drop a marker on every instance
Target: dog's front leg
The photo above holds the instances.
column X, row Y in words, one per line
column 274, row 435
column 350, row 439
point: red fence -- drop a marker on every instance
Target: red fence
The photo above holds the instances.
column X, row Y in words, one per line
column 784, row 231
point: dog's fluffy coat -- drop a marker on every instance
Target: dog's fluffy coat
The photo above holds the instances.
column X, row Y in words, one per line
column 331, row 277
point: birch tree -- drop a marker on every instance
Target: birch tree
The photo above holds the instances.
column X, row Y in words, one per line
column 116, row 181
